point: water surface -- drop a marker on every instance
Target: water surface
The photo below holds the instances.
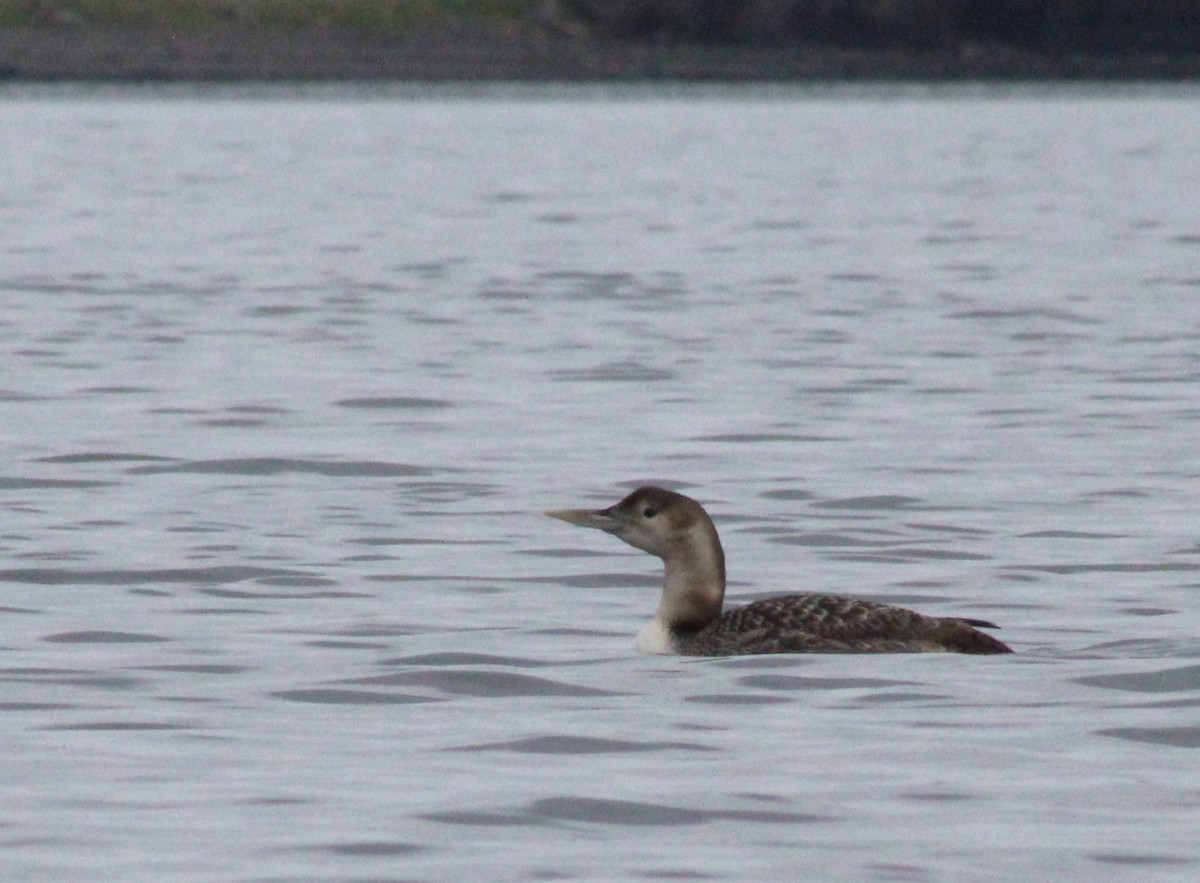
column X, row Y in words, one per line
column 290, row 375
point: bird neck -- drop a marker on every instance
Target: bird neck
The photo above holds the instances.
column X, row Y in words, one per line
column 694, row 587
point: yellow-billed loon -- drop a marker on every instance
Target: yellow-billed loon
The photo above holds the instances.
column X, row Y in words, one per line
column 689, row 620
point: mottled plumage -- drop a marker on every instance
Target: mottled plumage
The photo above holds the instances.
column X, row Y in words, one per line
column 689, row 620
column 833, row 624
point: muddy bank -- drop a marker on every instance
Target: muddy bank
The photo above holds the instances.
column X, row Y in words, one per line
column 518, row 53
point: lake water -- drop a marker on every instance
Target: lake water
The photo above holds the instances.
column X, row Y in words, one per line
column 289, row 375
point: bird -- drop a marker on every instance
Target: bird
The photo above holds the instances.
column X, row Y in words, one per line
column 689, row 620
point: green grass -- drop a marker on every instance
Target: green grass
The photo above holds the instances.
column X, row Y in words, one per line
column 372, row 14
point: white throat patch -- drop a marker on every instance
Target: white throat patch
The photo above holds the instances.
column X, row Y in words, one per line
column 655, row 638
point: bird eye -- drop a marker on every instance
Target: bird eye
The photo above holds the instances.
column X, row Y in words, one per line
column 649, row 512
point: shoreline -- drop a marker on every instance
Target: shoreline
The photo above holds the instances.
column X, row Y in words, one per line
column 517, row 53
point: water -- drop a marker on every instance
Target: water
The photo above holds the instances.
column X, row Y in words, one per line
column 288, row 377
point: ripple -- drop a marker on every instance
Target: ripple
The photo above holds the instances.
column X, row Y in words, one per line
column 70, row 677
column 761, row 437
column 602, row 581
column 1124, row 858
column 619, row 372
column 100, row 637
column 633, row 813
column 479, row 818
column 787, row 495
column 799, row 682
column 1070, row 535
column 119, row 726
column 283, row 465
column 581, row 745
column 948, row 528
column 466, row 659
column 1168, row 680
column 615, row 812
column 899, row 698
column 8, row 483
column 53, row 576
column 394, row 402
column 1136, row 647
column 734, row 699
column 280, row 596
column 103, row 457
column 1177, row 737
column 828, row 540
column 331, row 696
column 485, row 683
column 369, row 848
column 1024, row 313
column 903, row 554
column 881, row 502
column 1067, row 569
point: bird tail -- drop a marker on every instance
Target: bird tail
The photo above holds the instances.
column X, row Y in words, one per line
column 965, row 638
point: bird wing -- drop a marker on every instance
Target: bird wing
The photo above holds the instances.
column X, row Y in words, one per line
column 835, row 624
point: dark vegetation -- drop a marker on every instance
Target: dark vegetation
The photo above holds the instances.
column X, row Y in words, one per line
column 434, row 40
column 1052, row 26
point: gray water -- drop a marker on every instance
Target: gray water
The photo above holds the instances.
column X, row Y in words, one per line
column 289, row 376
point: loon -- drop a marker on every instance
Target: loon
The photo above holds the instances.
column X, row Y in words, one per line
column 689, row 620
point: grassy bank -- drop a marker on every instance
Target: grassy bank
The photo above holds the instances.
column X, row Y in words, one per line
column 386, row 15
